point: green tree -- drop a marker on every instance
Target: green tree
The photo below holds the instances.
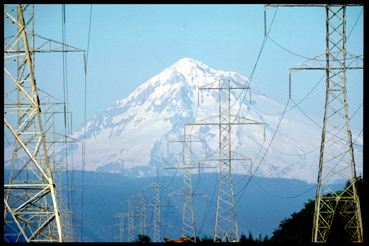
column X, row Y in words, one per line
column 296, row 229
column 141, row 238
column 206, row 239
column 250, row 239
column 243, row 238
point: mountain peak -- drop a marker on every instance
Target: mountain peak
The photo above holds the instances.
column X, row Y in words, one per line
column 188, row 61
column 131, row 137
column 188, row 65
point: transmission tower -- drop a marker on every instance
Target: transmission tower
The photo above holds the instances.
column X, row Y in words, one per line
column 225, row 220
column 157, row 223
column 336, row 152
column 188, row 230
column 31, row 209
column 121, row 225
column 134, row 211
column 141, row 209
column 130, row 214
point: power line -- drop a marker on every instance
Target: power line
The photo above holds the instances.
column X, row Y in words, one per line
column 85, row 116
column 303, row 154
column 285, row 197
column 302, row 193
column 308, row 94
column 66, row 103
column 252, row 175
column 257, row 59
column 296, row 105
column 207, row 209
column 293, row 53
column 354, row 24
column 289, row 51
column 306, row 114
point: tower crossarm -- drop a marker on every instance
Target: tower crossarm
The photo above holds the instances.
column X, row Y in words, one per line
column 318, row 63
column 268, row 6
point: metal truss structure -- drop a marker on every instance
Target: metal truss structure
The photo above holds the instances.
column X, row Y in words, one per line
column 188, row 230
column 136, row 207
column 121, row 225
column 130, row 215
column 336, row 152
column 31, row 200
column 133, row 211
column 225, row 221
column 157, row 223
column 141, row 209
column 66, row 192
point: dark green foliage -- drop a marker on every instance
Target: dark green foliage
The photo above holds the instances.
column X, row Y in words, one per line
column 250, row 239
column 206, row 239
column 244, row 239
column 142, row 239
column 298, row 228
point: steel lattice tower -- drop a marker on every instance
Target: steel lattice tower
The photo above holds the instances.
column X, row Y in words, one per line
column 157, row 223
column 336, row 152
column 134, row 211
column 141, row 208
column 156, row 206
column 188, row 221
column 122, row 228
column 225, row 219
column 31, row 208
column 188, row 229
column 31, row 205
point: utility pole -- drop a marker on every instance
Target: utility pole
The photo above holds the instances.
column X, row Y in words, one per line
column 225, row 219
column 336, row 151
column 31, row 206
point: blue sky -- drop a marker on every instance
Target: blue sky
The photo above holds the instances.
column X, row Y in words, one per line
column 129, row 44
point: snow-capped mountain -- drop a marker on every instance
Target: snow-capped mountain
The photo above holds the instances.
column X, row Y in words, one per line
column 131, row 136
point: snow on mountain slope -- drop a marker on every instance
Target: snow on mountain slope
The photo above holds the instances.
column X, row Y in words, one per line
column 131, row 136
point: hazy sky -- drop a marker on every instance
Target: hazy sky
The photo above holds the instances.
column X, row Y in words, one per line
column 129, row 44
